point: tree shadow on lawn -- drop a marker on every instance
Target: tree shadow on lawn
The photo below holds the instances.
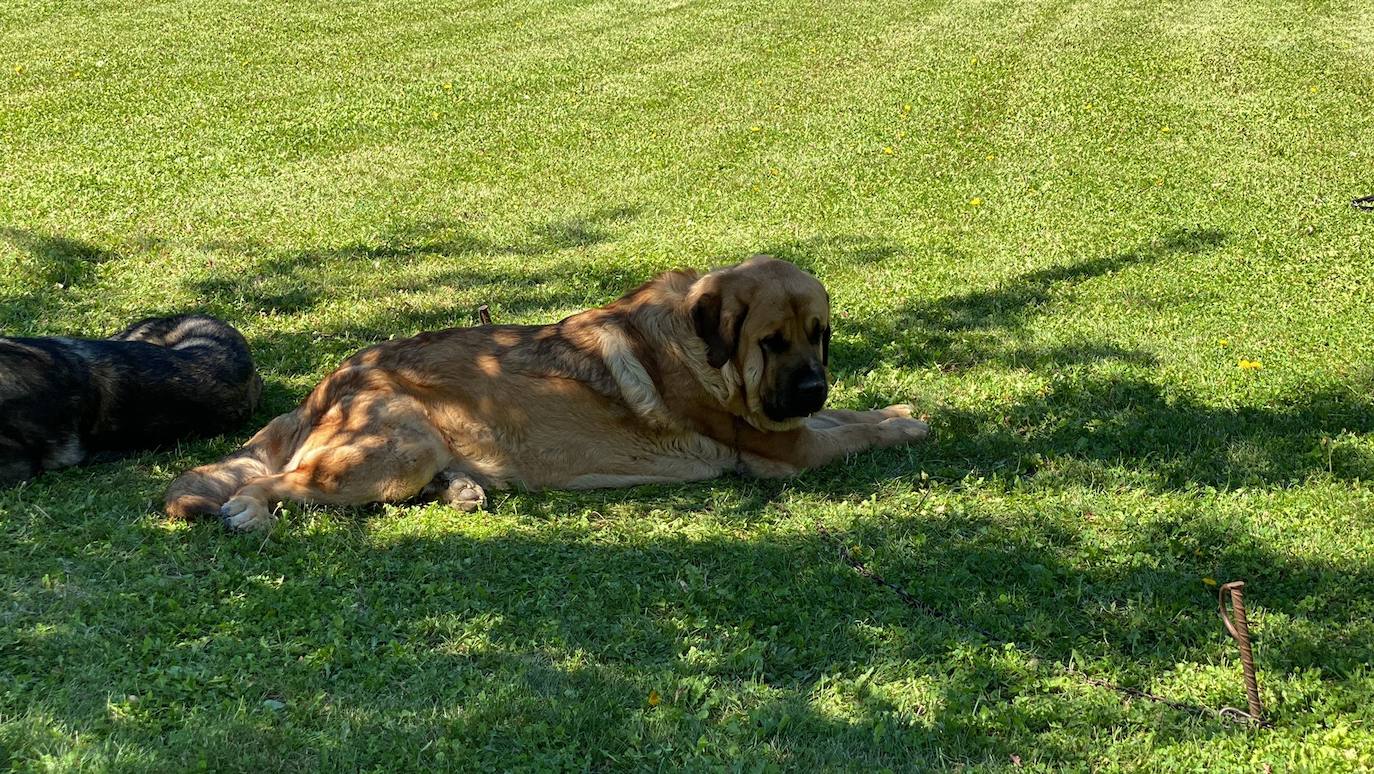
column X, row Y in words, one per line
column 944, row 332
column 550, row 642
column 300, row 280
column 52, row 274
column 1104, row 429
column 388, row 635
column 1088, row 424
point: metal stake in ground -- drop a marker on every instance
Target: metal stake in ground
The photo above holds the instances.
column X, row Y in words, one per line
column 1240, row 630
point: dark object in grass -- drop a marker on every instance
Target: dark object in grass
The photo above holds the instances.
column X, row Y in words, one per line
column 65, row 401
column 1240, row 630
column 1363, row 203
column 484, row 315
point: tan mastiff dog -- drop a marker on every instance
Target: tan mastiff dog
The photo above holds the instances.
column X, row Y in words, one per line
column 685, row 378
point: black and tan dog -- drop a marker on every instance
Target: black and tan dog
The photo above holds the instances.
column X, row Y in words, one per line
column 65, row 401
column 688, row 377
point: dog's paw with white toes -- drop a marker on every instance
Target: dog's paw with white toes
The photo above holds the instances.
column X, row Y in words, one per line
column 245, row 514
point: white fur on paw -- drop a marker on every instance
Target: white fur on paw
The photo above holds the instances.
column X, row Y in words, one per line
column 913, row 429
column 245, row 514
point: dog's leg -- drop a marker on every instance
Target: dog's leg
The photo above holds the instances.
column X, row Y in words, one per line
column 812, row 447
column 837, row 417
column 385, row 461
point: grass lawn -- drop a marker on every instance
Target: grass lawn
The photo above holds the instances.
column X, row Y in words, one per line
column 1056, row 227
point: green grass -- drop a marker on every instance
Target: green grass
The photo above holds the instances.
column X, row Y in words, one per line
column 1081, row 202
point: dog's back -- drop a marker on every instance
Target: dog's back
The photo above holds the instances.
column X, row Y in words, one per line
column 157, row 381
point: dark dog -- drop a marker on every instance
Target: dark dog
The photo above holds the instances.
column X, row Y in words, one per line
column 66, row 401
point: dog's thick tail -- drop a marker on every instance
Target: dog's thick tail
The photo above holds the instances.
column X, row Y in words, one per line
column 204, row 489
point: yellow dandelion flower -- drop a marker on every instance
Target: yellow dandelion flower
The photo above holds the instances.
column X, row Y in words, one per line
column 448, row 86
column 1164, row 129
column 1210, row 581
column 888, row 150
column 1313, row 89
column 756, row 128
column 976, row 201
column 973, row 60
column 1250, row 365
column 19, row 69
column 654, row 698
column 433, row 114
column 906, row 108
column 1224, row 342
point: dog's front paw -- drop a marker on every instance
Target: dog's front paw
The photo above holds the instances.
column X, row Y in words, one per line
column 246, row 514
column 899, row 410
column 908, row 430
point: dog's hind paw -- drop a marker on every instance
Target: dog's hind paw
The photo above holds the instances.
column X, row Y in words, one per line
column 456, row 488
column 245, row 514
column 465, row 495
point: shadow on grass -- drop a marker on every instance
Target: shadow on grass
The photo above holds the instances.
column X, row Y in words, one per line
column 1089, row 426
column 943, row 332
column 406, row 266
column 57, row 260
column 544, row 645
column 524, row 646
column 1106, row 429
column 51, row 268
column 298, row 281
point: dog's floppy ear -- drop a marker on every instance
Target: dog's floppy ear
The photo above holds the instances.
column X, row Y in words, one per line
column 718, row 316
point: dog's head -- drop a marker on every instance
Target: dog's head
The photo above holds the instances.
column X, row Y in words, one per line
column 766, row 326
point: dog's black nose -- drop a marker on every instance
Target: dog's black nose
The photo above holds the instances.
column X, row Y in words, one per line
column 810, row 393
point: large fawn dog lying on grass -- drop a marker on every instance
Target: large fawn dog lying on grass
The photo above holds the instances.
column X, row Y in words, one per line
column 684, row 378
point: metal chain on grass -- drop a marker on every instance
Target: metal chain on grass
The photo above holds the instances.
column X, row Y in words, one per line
column 1227, row 713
